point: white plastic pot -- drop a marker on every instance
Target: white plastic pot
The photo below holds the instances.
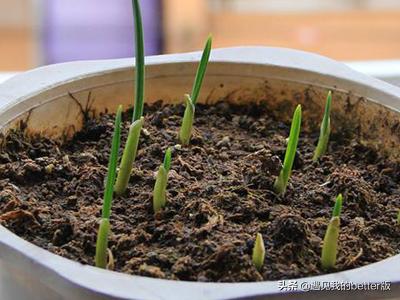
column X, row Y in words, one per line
column 281, row 77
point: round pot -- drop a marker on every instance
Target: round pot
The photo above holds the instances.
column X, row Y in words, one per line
column 54, row 101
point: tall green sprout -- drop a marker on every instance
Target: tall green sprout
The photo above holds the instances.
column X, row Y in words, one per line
column 185, row 131
column 283, row 178
column 160, row 187
column 258, row 252
column 102, row 235
column 132, row 142
column 330, row 245
column 325, row 130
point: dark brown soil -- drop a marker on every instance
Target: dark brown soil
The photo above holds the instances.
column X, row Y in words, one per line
column 219, row 196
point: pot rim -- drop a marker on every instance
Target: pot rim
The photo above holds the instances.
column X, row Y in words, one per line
column 56, row 269
column 47, row 77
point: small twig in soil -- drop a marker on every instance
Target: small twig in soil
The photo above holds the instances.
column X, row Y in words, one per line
column 352, row 260
column 84, row 111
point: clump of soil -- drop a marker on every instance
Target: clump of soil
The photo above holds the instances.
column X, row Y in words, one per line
column 219, row 196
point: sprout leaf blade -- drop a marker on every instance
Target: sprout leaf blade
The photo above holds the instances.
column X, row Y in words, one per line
column 185, row 131
column 160, row 187
column 330, row 244
column 128, row 156
column 338, row 206
column 159, row 200
column 167, row 159
column 325, row 130
column 258, row 252
column 398, row 217
column 102, row 235
column 139, row 62
column 102, row 244
column 201, row 70
column 112, row 166
column 283, row 178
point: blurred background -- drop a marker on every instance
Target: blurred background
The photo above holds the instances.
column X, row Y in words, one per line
column 365, row 33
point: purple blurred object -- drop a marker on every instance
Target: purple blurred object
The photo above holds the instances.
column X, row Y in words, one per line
column 97, row 29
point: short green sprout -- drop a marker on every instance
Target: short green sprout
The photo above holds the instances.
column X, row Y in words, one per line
column 102, row 244
column 185, row 131
column 187, row 121
column 102, row 236
column 398, row 217
column 325, row 130
column 128, row 156
column 337, row 209
column 258, row 252
column 160, row 187
column 283, row 178
column 330, row 245
column 131, row 146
